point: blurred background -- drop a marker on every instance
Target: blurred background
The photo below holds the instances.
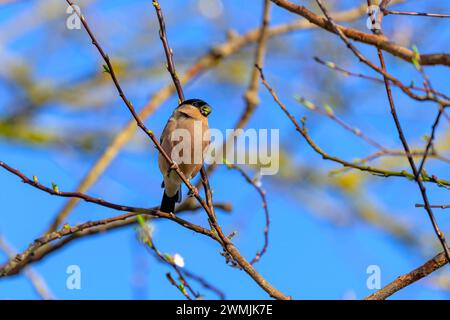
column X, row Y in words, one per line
column 59, row 112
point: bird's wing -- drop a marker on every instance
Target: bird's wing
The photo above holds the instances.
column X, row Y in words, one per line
column 165, row 140
column 167, row 145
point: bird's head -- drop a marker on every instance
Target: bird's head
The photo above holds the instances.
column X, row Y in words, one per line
column 204, row 108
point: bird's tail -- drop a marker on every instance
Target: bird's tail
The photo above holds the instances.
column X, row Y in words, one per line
column 168, row 203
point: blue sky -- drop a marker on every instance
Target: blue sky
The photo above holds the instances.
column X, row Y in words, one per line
column 309, row 257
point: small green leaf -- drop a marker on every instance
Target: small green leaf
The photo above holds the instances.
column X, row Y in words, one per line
column 329, row 109
column 168, row 257
column 416, row 58
column 35, row 179
column 309, row 105
column 330, row 64
column 407, row 175
column 306, row 103
column 303, row 120
column 140, row 219
column 424, row 174
column 106, row 69
column 55, row 187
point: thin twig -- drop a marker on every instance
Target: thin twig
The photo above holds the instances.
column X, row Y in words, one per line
column 204, row 283
column 262, row 194
column 335, row 67
column 178, row 286
column 146, row 237
column 251, row 94
column 412, row 13
column 354, row 34
column 431, row 139
column 437, row 206
column 168, row 51
column 330, row 114
column 394, row 153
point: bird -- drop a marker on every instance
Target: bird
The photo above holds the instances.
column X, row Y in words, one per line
column 189, row 118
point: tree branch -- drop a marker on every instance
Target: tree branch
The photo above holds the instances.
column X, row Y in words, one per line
column 407, row 279
column 375, row 40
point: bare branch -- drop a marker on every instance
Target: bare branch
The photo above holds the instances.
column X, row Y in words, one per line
column 375, row 40
column 407, row 279
column 262, row 194
column 418, row 14
column 168, row 51
column 437, row 206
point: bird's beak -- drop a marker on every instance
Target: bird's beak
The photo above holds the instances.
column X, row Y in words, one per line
column 205, row 110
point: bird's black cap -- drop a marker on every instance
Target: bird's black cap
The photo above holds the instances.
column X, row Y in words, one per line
column 201, row 105
column 198, row 103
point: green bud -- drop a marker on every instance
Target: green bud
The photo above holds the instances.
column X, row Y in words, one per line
column 330, row 64
column 168, row 257
column 55, row 187
column 106, row 69
column 329, row 110
column 140, row 219
column 416, row 58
